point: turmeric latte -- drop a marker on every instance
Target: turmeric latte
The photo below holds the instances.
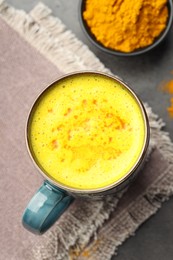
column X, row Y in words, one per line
column 86, row 131
column 126, row 25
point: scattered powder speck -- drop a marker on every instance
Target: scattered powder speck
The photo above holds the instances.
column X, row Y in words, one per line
column 167, row 87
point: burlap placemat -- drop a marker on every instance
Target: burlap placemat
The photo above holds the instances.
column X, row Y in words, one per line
column 35, row 49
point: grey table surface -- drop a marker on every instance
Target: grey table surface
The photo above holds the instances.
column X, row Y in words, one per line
column 153, row 240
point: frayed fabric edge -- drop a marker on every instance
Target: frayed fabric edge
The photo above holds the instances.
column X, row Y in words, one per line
column 64, row 50
column 125, row 223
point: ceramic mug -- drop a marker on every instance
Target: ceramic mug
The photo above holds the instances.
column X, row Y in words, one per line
column 54, row 197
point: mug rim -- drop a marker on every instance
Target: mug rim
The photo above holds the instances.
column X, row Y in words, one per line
column 141, row 156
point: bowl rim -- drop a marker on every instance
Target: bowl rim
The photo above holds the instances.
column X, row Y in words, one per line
column 119, row 53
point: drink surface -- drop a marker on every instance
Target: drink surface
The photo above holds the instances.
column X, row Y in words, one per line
column 86, row 131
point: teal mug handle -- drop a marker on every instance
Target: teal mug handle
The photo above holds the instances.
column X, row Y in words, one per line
column 46, row 206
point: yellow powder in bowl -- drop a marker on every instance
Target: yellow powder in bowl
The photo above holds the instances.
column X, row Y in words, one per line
column 126, row 25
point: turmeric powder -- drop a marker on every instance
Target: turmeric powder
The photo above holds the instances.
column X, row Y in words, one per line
column 168, row 87
column 126, row 25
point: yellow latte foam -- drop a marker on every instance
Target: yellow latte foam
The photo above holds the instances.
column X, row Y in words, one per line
column 86, row 131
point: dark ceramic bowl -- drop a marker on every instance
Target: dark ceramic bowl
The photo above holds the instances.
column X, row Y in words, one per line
column 92, row 38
